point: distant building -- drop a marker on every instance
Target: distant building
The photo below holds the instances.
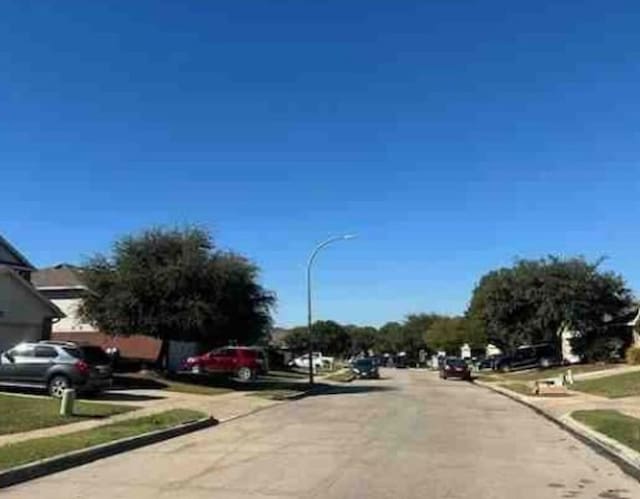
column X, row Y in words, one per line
column 25, row 314
column 65, row 286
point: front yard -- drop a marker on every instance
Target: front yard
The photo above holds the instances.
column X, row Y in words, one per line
column 27, row 451
column 25, row 413
column 538, row 374
column 625, row 429
column 617, row 386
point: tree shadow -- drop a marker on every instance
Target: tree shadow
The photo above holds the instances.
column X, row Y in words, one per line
column 322, row 389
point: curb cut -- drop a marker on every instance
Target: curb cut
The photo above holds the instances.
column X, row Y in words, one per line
column 79, row 457
column 606, row 447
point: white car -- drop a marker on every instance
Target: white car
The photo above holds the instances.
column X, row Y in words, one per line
column 319, row 361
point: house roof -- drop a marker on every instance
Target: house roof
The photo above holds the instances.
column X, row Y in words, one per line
column 18, row 259
column 55, row 311
column 63, row 276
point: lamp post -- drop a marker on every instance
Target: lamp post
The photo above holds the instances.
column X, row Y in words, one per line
column 323, row 244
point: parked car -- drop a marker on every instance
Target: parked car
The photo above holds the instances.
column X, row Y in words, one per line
column 365, row 368
column 319, row 361
column 56, row 366
column 529, row 357
column 454, row 367
column 242, row 362
column 401, row 361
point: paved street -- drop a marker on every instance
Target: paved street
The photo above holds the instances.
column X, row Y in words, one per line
column 409, row 435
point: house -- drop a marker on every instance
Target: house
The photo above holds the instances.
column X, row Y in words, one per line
column 64, row 285
column 25, row 314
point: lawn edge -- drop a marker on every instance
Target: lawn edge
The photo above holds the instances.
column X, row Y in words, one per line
column 622, row 456
column 48, row 466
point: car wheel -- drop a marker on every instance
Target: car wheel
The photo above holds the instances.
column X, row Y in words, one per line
column 57, row 386
column 244, row 374
column 545, row 363
column 444, row 376
column 505, row 368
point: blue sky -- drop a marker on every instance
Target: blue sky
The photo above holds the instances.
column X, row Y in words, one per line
column 451, row 136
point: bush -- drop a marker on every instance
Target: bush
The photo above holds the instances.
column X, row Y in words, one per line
column 633, row 355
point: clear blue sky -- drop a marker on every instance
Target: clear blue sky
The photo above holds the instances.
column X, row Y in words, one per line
column 451, row 136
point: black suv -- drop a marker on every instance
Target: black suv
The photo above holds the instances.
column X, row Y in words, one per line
column 56, row 366
column 529, row 357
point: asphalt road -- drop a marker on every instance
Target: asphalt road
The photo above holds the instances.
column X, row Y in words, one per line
column 409, row 435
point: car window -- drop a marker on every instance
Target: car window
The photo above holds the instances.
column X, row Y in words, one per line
column 45, row 352
column 74, row 352
column 22, row 351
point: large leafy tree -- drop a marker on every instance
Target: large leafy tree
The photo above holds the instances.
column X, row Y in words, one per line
column 531, row 301
column 450, row 333
column 173, row 284
column 362, row 338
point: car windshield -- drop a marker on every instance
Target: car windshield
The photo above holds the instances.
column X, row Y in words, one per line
column 364, row 363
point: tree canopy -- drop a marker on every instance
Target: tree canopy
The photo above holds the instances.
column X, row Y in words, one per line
column 531, row 301
column 173, row 284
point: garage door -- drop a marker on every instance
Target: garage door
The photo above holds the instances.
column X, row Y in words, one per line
column 10, row 334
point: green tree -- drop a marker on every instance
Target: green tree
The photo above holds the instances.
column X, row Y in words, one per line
column 531, row 301
column 328, row 337
column 450, row 333
column 174, row 285
column 389, row 338
column 363, row 338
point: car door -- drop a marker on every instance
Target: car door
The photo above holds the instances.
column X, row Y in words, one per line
column 7, row 366
column 214, row 362
column 44, row 359
column 23, row 363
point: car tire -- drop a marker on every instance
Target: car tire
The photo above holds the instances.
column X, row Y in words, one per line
column 244, row 374
column 57, row 385
column 545, row 363
column 505, row 368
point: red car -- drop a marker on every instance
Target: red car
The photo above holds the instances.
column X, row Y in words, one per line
column 453, row 367
column 242, row 362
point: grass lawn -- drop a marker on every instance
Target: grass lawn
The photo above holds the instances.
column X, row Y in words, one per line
column 18, row 413
column 33, row 450
column 617, row 386
column 552, row 372
column 624, row 429
column 210, row 384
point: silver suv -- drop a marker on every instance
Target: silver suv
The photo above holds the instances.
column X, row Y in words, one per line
column 56, row 366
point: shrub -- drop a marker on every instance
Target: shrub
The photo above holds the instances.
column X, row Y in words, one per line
column 633, row 355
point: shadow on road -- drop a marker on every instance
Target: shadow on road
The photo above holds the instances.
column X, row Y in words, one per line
column 322, row 389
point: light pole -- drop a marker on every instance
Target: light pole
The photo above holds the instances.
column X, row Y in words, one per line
column 344, row 237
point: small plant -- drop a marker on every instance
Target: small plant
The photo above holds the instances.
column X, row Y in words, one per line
column 633, row 355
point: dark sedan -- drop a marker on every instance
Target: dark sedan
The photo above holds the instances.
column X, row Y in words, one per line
column 365, row 368
column 453, row 367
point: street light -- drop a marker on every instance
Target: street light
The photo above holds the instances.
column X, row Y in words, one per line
column 323, row 244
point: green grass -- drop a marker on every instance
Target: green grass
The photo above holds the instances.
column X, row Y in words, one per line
column 19, row 413
column 624, row 429
column 12, row 455
column 537, row 374
column 617, row 386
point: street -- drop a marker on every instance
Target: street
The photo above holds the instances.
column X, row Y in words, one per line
column 407, row 435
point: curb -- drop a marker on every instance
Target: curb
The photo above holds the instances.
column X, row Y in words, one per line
column 625, row 458
column 79, row 457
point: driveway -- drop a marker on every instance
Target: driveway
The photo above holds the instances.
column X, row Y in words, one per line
column 409, row 435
